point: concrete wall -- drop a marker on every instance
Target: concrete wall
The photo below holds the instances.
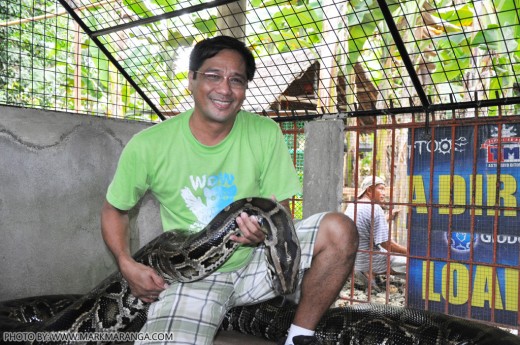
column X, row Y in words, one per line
column 323, row 166
column 54, row 171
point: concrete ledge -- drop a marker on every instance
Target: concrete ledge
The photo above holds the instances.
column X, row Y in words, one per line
column 236, row 338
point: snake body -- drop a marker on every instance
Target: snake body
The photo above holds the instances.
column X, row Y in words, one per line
column 110, row 307
column 362, row 324
column 368, row 324
column 176, row 256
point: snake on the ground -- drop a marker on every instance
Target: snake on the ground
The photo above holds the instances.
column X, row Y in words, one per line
column 178, row 256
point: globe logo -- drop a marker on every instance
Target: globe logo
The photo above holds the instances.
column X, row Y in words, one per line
column 461, row 241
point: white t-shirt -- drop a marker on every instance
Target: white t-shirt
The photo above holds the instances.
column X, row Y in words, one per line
column 372, row 227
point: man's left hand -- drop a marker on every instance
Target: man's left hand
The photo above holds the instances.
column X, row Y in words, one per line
column 251, row 233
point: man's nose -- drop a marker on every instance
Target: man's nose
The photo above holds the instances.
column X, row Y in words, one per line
column 224, row 86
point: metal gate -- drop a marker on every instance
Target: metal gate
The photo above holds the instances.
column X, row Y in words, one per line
column 454, row 181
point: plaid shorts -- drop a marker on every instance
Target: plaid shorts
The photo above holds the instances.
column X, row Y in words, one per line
column 191, row 313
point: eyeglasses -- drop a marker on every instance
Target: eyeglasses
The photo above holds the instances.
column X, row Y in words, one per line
column 235, row 82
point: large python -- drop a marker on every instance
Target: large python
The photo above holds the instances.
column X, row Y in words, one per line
column 110, row 306
column 177, row 256
column 368, row 324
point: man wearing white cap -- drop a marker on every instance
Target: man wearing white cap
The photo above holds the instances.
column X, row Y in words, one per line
column 373, row 231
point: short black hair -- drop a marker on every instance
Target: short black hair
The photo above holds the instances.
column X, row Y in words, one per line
column 210, row 47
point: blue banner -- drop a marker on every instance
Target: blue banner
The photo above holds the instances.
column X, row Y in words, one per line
column 473, row 245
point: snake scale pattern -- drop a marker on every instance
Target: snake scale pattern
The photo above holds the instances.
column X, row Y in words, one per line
column 110, row 307
column 368, row 324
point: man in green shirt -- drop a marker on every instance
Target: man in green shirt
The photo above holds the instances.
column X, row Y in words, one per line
column 197, row 163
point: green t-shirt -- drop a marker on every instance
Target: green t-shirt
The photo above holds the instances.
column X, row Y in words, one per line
column 193, row 182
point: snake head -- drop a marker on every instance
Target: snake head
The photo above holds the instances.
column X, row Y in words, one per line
column 264, row 225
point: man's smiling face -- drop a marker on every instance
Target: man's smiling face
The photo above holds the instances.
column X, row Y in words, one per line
column 219, row 101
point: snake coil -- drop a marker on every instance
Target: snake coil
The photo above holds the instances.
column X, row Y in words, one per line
column 110, row 307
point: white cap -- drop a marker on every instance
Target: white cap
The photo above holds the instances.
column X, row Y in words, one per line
column 368, row 182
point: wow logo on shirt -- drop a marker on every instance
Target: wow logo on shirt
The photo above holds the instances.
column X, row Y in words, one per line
column 207, row 195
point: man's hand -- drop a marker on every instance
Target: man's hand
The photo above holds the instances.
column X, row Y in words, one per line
column 394, row 214
column 144, row 282
column 251, row 233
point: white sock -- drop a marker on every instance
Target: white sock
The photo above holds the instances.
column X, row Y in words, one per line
column 297, row 330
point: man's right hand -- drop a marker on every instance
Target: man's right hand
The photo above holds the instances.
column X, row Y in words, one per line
column 144, row 281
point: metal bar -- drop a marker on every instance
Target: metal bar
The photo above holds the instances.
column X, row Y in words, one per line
column 111, row 58
column 451, row 205
column 472, row 211
column 173, row 14
column 496, row 219
column 411, row 173
column 479, row 104
column 392, row 226
column 430, row 211
column 404, row 53
column 371, row 275
column 461, row 122
column 412, row 110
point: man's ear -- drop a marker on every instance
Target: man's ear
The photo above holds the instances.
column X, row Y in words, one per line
column 190, row 80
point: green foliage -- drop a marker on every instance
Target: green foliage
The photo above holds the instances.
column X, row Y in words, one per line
column 284, row 26
column 30, row 70
column 37, row 58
